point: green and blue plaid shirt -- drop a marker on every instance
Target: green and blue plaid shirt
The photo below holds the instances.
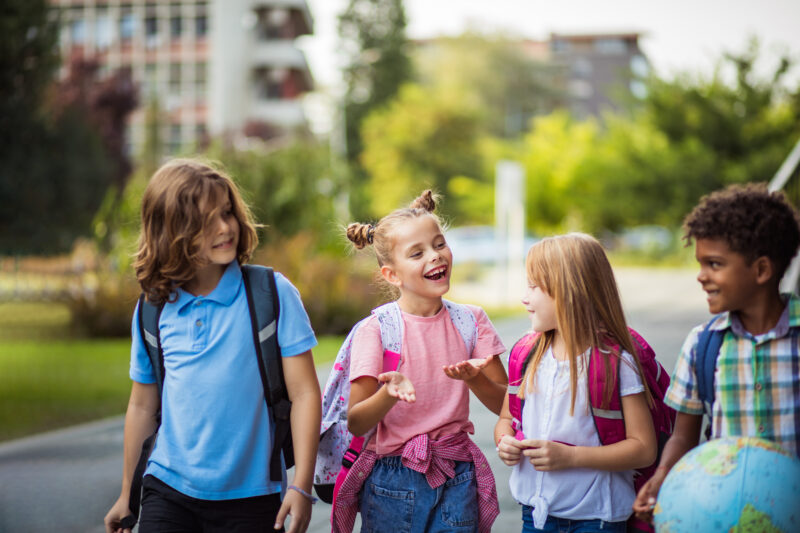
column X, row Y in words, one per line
column 756, row 383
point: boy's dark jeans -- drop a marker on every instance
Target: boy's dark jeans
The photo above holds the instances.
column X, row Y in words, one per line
column 165, row 510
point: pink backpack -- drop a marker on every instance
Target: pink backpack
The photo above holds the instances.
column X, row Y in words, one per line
column 609, row 421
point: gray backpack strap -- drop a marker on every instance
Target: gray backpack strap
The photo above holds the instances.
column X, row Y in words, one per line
column 262, row 300
column 465, row 322
column 148, row 315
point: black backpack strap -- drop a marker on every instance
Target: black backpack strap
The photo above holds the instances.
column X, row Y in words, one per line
column 709, row 343
column 262, row 298
column 148, row 317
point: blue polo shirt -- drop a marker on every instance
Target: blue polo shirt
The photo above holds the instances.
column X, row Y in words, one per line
column 215, row 438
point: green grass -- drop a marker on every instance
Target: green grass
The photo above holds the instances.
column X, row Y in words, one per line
column 48, row 382
column 51, row 384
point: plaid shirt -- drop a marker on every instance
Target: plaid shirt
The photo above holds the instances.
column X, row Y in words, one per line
column 433, row 458
column 756, row 383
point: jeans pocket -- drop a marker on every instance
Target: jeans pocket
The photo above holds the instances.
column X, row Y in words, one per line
column 460, row 501
column 385, row 509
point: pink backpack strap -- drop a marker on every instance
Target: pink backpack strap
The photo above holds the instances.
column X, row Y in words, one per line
column 391, row 362
column 608, row 419
column 516, row 365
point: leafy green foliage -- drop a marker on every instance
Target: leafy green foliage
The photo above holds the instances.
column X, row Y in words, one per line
column 421, row 139
column 289, row 189
column 373, row 39
column 495, row 76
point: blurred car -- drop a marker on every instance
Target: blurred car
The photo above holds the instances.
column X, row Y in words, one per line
column 479, row 244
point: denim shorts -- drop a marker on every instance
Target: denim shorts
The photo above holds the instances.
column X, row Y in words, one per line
column 565, row 525
column 398, row 499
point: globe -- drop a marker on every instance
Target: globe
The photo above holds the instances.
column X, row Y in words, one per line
column 731, row 484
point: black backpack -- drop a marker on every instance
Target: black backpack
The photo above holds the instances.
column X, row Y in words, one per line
column 262, row 299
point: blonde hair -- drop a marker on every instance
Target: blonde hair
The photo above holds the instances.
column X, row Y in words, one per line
column 380, row 235
column 573, row 270
column 173, row 224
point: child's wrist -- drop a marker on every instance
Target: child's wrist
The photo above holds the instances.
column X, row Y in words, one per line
column 307, row 495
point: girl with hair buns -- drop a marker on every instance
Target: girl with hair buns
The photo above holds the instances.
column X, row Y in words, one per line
column 420, row 471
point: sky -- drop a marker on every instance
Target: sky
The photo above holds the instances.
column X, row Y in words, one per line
column 677, row 35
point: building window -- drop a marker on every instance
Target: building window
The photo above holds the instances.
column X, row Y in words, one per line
column 269, row 84
column 174, row 78
column 103, row 30
column 639, row 66
column 150, row 80
column 582, row 67
column 200, row 26
column 610, row 46
column 580, row 89
column 174, row 140
column 151, row 31
column 559, row 45
column 200, row 75
column 273, row 24
column 175, row 26
column 127, row 24
column 77, row 29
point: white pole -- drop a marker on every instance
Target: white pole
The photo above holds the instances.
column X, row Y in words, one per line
column 510, row 229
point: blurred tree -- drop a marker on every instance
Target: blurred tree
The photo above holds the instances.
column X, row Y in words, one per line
column 374, row 41
column 60, row 149
column 105, row 102
column 289, row 187
column 748, row 121
column 421, row 139
column 509, row 87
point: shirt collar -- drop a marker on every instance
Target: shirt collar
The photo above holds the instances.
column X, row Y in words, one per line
column 789, row 318
column 224, row 293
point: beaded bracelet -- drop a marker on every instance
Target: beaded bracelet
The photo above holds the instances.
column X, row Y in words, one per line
column 310, row 498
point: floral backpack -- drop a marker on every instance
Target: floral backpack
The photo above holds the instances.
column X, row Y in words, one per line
column 338, row 448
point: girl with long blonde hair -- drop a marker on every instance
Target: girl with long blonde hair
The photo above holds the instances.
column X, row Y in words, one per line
column 563, row 476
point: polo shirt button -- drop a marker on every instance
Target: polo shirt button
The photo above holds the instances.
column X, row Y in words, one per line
column 758, row 386
column 761, row 428
column 198, row 302
column 361, row 474
column 198, row 323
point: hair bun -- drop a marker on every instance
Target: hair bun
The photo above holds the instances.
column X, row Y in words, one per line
column 425, row 201
column 360, row 234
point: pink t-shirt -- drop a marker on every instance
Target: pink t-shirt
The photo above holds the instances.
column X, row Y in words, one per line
column 442, row 406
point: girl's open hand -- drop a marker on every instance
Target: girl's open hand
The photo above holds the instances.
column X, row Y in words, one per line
column 398, row 386
column 466, row 370
column 547, row 455
column 509, row 450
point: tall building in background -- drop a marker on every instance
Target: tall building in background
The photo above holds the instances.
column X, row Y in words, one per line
column 214, row 67
column 601, row 69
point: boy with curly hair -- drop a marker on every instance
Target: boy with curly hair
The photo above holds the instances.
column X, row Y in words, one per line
column 745, row 238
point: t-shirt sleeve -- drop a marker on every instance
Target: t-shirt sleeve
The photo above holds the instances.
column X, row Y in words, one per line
column 366, row 352
column 141, row 370
column 488, row 342
column 682, row 393
column 295, row 334
column 630, row 382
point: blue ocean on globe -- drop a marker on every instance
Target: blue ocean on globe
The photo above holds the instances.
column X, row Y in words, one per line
column 731, row 484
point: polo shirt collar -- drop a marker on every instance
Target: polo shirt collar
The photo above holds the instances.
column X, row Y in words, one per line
column 224, row 293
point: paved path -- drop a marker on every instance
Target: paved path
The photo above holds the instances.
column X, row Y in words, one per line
column 66, row 480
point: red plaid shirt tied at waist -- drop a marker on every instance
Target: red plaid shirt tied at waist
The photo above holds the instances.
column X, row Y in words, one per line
column 434, row 458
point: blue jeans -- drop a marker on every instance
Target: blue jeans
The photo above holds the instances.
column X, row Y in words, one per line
column 565, row 525
column 397, row 499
